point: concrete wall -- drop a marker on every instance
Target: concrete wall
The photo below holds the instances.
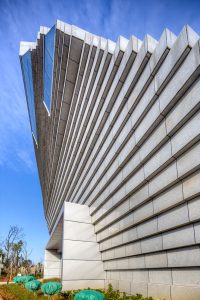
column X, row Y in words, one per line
column 82, row 266
column 146, row 206
column 52, row 264
column 124, row 140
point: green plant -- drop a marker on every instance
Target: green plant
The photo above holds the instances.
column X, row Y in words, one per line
column 69, row 295
column 137, row 297
column 110, row 294
column 140, row 297
column 39, row 275
column 124, row 296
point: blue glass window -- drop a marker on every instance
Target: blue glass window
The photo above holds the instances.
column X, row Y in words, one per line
column 28, row 82
column 49, row 45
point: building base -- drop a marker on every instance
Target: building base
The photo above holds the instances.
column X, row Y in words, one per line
column 72, row 252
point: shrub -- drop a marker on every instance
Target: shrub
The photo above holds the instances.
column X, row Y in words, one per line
column 39, row 275
column 69, row 295
column 110, row 294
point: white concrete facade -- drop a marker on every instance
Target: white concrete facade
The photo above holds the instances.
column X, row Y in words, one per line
column 52, row 264
column 80, row 265
column 81, row 260
column 119, row 161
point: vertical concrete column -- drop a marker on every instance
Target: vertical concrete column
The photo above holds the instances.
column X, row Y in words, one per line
column 82, row 266
column 52, row 264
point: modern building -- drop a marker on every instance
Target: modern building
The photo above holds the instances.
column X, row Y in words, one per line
column 116, row 131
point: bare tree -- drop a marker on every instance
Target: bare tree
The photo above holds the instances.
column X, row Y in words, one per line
column 15, row 234
column 15, row 253
column 12, row 246
column 26, row 262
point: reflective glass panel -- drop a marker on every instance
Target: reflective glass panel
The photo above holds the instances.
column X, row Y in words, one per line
column 28, row 81
column 49, row 45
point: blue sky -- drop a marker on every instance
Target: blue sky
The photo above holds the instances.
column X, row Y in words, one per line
column 20, row 195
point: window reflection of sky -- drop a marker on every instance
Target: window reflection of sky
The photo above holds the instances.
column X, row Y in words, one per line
column 27, row 71
column 49, row 43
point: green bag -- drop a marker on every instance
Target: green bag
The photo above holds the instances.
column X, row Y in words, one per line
column 27, row 278
column 51, row 288
column 23, row 279
column 89, row 295
column 33, row 285
column 16, row 279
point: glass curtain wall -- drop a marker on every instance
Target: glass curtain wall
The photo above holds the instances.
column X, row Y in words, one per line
column 49, row 45
column 28, row 80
